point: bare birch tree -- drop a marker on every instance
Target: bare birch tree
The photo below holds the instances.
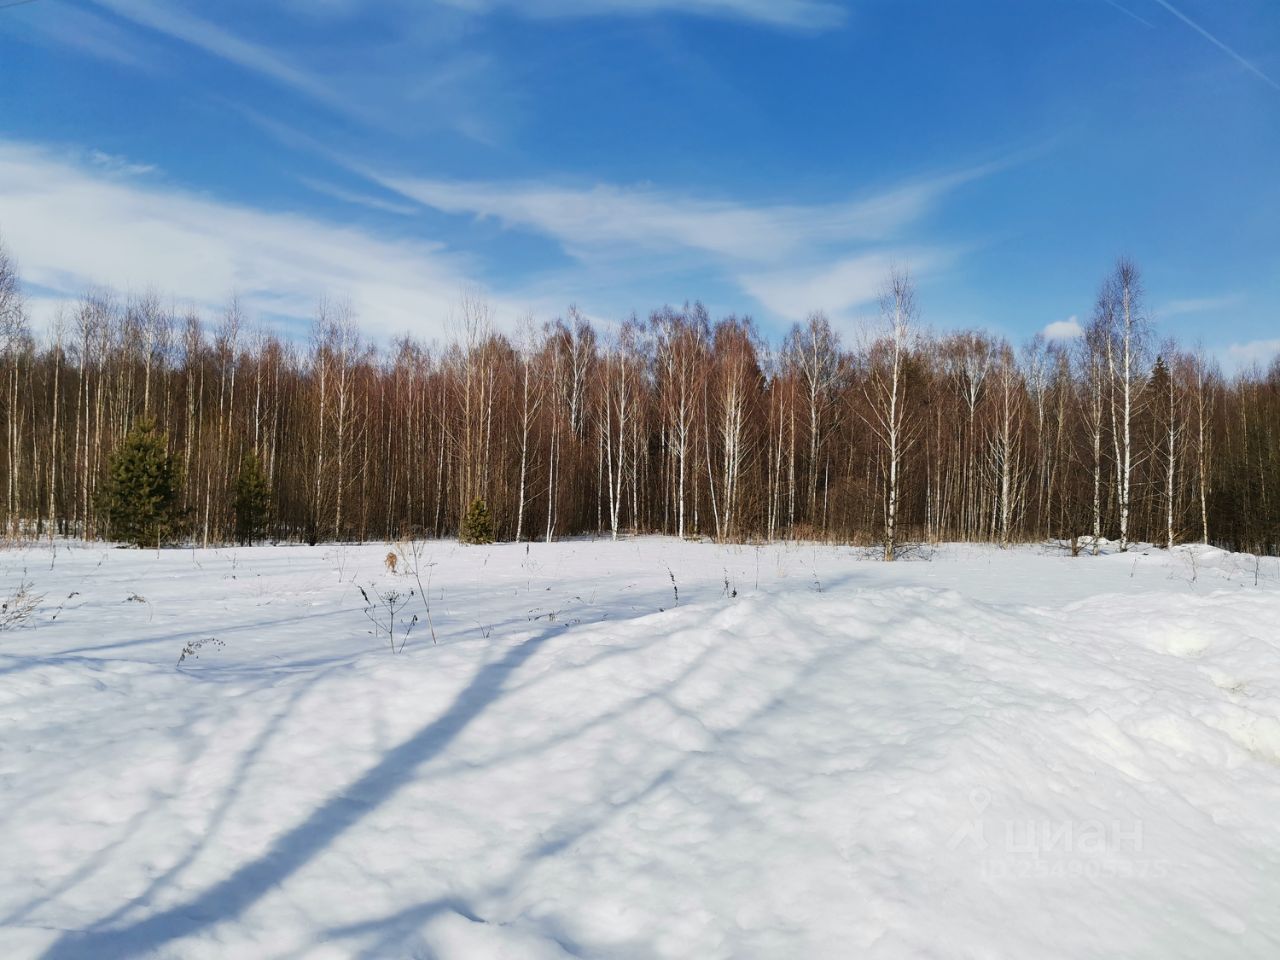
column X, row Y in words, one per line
column 884, row 388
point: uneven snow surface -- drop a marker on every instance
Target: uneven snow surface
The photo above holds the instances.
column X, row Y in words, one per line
column 987, row 754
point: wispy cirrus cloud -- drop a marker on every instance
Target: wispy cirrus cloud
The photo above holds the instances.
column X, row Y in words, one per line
column 448, row 73
column 606, row 219
column 1129, row 13
column 1193, row 305
column 839, row 287
column 81, row 218
column 73, row 225
column 794, row 14
column 357, row 198
column 1249, row 65
column 791, row 258
column 425, row 77
column 87, row 33
column 114, row 163
column 180, row 24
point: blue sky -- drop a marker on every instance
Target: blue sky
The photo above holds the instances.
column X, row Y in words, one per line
column 768, row 157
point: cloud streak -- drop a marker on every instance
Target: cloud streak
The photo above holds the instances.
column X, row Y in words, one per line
column 593, row 221
column 73, row 225
column 170, row 20
column 1129, row 13
column 448, row 73
column 79, row 218
column 787, row 14
column 89, row 33
column 839, row 287
column 1247, row 64
column 358, row 199
column 424, row 77
column 112, row 163
column 790, row 258
column 1178, row 308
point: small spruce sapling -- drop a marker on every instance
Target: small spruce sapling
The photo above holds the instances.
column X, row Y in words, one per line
column 477, row 525
column 252, row 502
column 140, row 496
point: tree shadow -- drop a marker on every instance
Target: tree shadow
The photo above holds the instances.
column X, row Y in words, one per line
column 239, row 891
column 392, row 930
column 138, row 822
column 245, row 886
column 386, row 936
column 89, row 655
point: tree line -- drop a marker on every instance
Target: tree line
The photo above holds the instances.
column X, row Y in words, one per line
column 675, row 423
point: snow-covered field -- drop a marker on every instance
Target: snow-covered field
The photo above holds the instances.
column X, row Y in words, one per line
column 988, row 754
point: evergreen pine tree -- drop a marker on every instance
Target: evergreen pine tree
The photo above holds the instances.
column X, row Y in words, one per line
column 252, row 502
column 140, row 496
column 477, row 525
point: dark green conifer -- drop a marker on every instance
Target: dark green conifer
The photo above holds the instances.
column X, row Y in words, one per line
column 477, row 525
column 252, row 503
column 140, row 497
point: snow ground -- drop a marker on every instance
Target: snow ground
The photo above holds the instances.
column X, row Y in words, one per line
column 990, row 754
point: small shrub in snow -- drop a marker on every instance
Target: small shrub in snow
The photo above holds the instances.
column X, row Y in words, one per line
column 193, row 648
column 18, row 607
column 383, row 612
column 411, row 554
column 730, row 590
column 914, row 551
column 70, row 596
column 138, row 598
column 339, row 557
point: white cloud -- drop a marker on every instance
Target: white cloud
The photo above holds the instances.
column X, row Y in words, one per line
column 71, row 226
column 1261, row 352
column 600, row 220
column 77, row 222
column 1178, row 308
column 170, row 20
column 359, row 199
column 1129, row 13
column 791, row 258
column 86, row 32
column 837, row 288
column 604, row 220
column 113, row 163
column 423, row 77
column 1067, row 329
column 1247, row 64
column 441, row 80
column 802, row 14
